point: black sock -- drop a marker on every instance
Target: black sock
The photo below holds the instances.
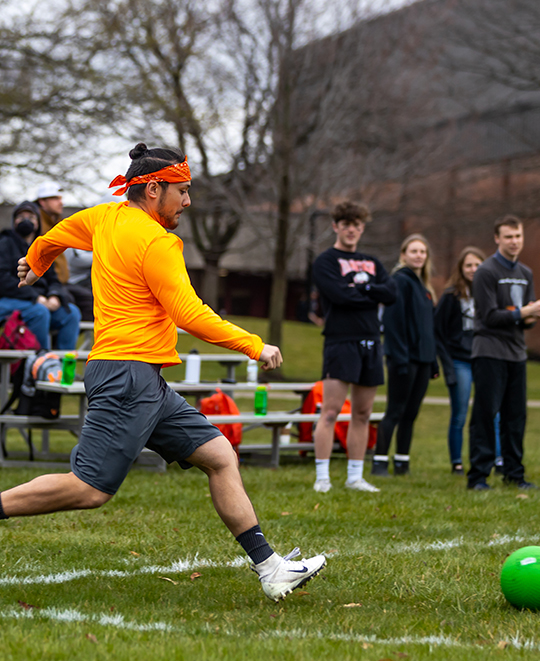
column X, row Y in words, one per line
column 255, row 545
column 2, row 514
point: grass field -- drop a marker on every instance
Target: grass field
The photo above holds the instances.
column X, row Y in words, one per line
column 413, row 571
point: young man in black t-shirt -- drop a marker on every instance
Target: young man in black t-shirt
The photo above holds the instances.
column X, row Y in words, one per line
column 351, row 287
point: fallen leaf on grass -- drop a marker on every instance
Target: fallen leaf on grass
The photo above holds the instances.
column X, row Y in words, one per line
column 285, row 513
column 135, row 553
column 522, row 496
column 366, row 646
column 27, row 606
column 448, row 508
column 164, row 578
column 195, row 575
column 91, row 637
column 351, row 605
column 301, row 593
column 316, row 506
column 273, row 615
column 401, row 655
column 503, row 644
column 495, row 535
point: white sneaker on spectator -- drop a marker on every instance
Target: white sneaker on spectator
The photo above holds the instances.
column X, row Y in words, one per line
column 323, row 486
column 280, row 576
column 361, row 485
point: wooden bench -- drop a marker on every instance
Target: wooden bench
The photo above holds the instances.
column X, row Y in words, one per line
column 273, row 420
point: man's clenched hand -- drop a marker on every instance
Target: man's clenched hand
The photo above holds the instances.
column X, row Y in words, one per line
column 25, row 273
column 270, row 357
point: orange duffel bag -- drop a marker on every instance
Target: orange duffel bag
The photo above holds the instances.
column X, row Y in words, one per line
column 221, row 404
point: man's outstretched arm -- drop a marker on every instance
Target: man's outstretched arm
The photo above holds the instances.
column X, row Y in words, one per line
column 165, row 273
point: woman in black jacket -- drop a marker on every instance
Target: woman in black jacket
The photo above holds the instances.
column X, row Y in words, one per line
column 454, row 323
column 409, row 346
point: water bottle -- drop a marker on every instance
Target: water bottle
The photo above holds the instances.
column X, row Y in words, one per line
column 252, row 371
column 285, row 434
column 261, row 400
column 69, row 363
column 193, row 367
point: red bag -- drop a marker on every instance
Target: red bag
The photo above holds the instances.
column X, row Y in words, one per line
column 312, row 403
column 17, row 335
column 221, row 404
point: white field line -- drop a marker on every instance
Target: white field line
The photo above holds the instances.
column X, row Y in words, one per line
column 74, row 574
column 198, row 563
column 118, row 621
column 417, row 547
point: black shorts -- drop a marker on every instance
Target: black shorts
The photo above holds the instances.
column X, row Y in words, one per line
column 130, row 406
column 359, row 362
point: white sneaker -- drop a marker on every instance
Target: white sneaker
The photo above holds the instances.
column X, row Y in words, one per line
column 323, row 486
column 279, row 576
column 361, row 485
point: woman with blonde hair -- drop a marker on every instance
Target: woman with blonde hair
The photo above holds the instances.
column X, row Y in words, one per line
column 409, row 346
column 454, row 324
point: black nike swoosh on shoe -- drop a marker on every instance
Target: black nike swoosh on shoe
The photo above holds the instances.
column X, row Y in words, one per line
column 300, row 571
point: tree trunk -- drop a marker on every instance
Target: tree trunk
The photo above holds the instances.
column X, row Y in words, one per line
column 279, row 281
column 210, row 284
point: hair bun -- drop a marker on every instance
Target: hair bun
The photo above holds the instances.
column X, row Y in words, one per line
column 138, row 151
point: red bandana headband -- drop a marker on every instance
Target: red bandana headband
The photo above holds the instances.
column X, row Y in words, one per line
column 173, row 174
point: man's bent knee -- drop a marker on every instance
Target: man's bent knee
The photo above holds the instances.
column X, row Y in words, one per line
column 214, row 455
column 87, row 496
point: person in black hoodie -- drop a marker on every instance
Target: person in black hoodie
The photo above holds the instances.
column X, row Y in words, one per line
column 351, row 286
column 409, row 346
column 454, row 327
column 44, row 306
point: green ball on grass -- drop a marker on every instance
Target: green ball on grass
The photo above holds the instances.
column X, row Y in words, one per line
column 520, row 578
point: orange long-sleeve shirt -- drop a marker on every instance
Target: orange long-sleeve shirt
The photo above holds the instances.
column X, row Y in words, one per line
column 142, row 290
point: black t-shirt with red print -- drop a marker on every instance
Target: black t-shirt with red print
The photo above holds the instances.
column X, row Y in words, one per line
column 351, row 286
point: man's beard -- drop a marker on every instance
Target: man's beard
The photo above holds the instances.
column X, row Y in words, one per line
column 167, row 219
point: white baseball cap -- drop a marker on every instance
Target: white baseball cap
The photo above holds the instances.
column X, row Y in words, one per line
column 49, row 189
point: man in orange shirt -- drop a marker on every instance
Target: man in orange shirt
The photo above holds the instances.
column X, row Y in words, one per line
column 142, row 292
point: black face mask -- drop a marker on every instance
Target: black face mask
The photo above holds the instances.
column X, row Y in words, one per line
column 25, row 228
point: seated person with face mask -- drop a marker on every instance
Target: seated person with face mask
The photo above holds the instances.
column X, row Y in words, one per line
column 44, row 306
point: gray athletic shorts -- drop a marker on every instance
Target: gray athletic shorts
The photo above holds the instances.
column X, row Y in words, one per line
column 130, row 406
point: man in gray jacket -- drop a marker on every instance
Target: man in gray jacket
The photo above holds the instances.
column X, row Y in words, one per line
column 505, row 305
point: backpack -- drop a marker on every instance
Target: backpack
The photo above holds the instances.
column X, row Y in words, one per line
column 44, row 366
column 17, row 335
column 221, row 404
column 312, row 404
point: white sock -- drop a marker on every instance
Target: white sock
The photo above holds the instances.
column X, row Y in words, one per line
column 355, row 469
column 401, row 457
column 322, row 466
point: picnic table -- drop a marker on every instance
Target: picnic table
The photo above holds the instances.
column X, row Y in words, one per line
column 273, row 420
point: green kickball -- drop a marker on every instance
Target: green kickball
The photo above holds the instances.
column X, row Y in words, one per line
column 520, row 578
